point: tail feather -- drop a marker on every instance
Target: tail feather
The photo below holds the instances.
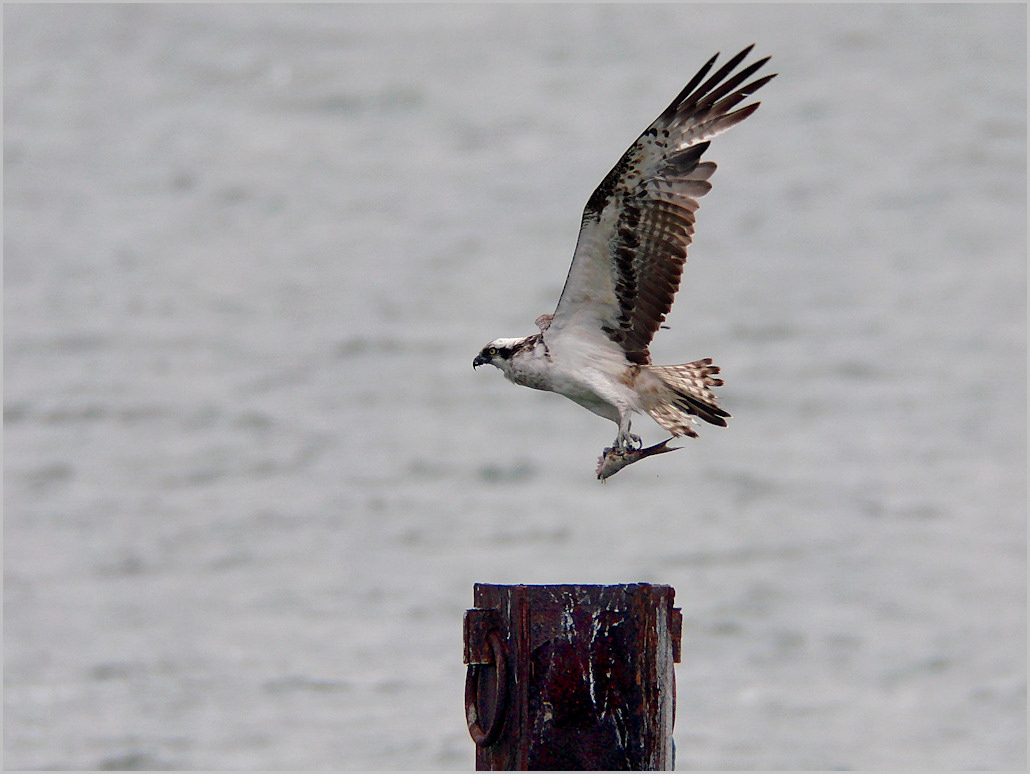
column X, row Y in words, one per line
column 686, row 393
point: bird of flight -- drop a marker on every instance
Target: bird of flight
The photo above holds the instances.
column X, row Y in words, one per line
column 625, row 272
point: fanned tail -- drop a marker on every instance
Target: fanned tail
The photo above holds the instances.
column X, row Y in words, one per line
column 686, row 393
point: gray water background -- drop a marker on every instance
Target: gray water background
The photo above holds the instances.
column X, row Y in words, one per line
column 250, row 477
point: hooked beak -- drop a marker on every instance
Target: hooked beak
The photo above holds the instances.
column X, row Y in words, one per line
column 480, row 360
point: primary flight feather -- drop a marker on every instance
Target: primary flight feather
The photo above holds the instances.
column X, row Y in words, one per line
column 626, row 270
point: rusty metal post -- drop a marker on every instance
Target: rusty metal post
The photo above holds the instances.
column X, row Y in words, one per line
column 572, row 677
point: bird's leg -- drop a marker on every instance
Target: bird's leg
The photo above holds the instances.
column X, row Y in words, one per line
column 625, row 440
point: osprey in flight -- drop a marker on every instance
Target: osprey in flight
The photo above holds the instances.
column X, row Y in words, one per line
column 625, row 273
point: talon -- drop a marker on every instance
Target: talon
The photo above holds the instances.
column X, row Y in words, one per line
column 627, row 443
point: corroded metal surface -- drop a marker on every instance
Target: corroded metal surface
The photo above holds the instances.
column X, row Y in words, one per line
column 588, row 680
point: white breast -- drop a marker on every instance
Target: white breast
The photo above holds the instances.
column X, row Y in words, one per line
column 586, row 382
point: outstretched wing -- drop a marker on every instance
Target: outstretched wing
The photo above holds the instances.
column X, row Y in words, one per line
column 638, row 223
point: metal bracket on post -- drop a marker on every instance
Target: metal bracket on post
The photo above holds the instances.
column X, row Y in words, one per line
column 485, row 647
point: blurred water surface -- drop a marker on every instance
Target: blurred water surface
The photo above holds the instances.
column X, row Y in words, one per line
column 250, row 477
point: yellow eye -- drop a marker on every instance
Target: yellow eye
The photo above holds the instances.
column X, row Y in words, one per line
column 492, row 351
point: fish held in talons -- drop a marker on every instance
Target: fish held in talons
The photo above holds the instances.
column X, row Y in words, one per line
column 614, row 458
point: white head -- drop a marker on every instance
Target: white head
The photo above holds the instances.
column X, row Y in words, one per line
column 497, row 353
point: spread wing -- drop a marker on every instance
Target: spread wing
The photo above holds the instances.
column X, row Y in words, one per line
column 638, row 223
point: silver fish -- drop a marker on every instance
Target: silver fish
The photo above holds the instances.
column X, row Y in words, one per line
column 612, row 460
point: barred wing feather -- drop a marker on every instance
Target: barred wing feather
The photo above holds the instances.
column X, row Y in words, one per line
column 639, row 221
